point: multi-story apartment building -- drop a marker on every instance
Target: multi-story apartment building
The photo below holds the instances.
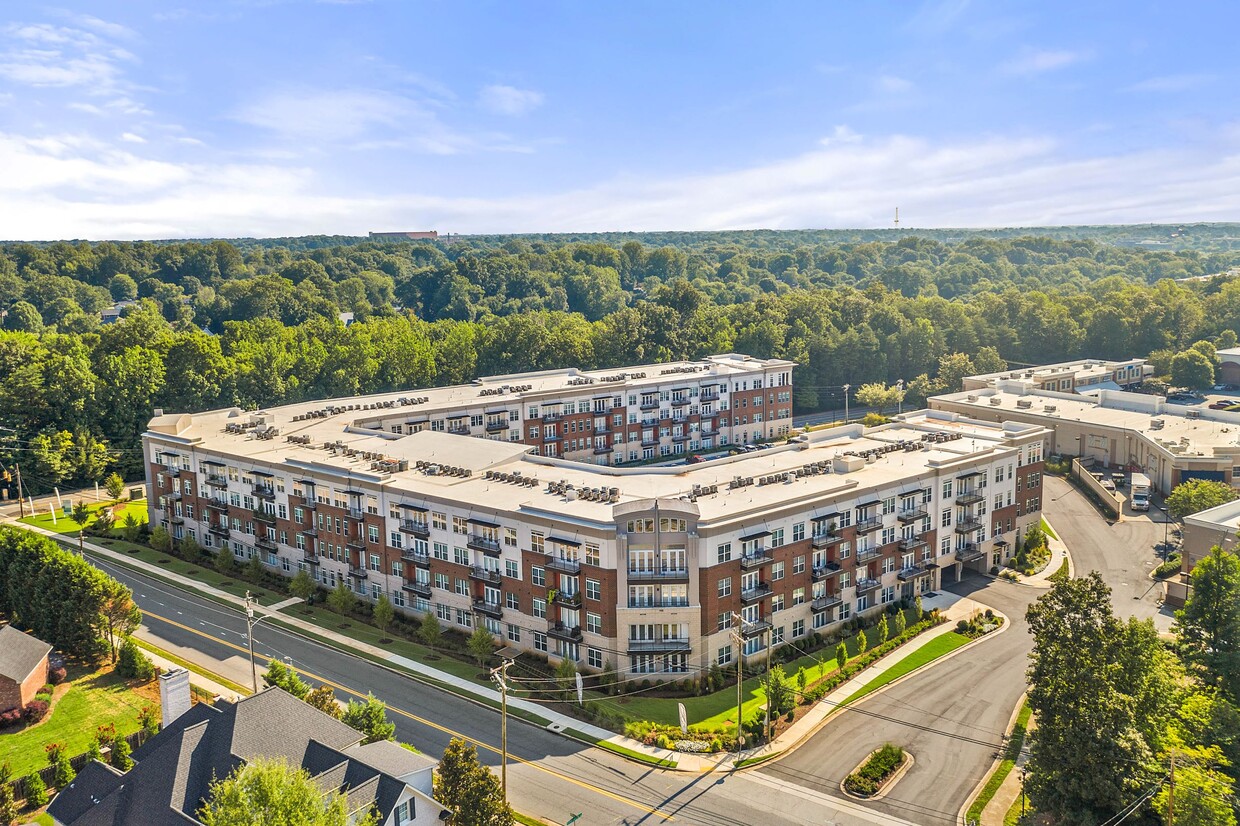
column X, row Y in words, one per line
column 1080, row 376
column 644, row 567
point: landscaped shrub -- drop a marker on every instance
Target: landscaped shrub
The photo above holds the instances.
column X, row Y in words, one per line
column 881, row 765
column 36, row 791
column 35, row 710
column 10, row 717
column 134, row 664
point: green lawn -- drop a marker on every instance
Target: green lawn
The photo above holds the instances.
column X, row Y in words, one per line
column 63, row 524
column 1015, row 742
column 719, row 709
column 1046, row 528
column 94, row 699
column 931, row 651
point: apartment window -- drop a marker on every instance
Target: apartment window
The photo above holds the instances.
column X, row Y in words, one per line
column 439, row 521
column 798, row 597
column 464, row 618
column 594, row 623
column 512, row 569
column 777, row 571
column 512, row 601
column 592, row 554
column 538, row 576
column 440, row 551
column 510, row 537
column 724, row 552
column 945, row 518
column 777, row 635
column 889, row 505
column 536, row 542
column 777, row 537
column 514, row 633
column 725, row 587
column 594, row 658
column 539, row 608
column 540, row 641
column 462, row 587
column 777, row 603
column 947, row 489
column 724, row 656
column 593, row 589
column 798, row 564
column 460, row 525
column 798, row 628
column 460, row 556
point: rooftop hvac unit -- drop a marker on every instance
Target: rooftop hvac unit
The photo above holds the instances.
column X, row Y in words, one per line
column 1024, row 404
column 996, row 401
column 1050, row 408
column 972, row 397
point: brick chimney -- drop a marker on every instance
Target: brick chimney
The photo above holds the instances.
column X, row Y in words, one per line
column 173, row 694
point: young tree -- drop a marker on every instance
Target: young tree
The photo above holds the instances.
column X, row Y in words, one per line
column 121, row 615
column 1103, row 692
column 225, row 562
column 430, row 631
column 272, row 792
column 882, row 629
column 148, row 718
column 370, row 718
column 8, row 805
column 133, row 663
column 778, row 693
column 131, row 527
column 36, row 790
column 115, row 486
column 468, row 789
column 383, row 613
column 341, row 599
column 254, row 568
column 481, row 644
column 161, row 540
column 80, row 514
column 324, row 699
column 1197, row 495
column 302, row 586
column 63, row 772
column 566, row 679
column 841, row 656
column 1209, row 623
column 901, row 623
column 189, row 549
column 862, row 643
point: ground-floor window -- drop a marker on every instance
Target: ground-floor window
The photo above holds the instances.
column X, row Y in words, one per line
column 594, row 658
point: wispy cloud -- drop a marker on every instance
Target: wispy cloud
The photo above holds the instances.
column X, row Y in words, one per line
column 893, row 84
column 509, row 100
column 1035, row 62
column 1170, row 83
column 80, row 187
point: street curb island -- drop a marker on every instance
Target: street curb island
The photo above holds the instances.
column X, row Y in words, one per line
column 568, row 727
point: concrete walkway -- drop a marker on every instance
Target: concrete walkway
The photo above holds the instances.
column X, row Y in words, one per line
column 954, row 608
column 200, row 680
column 1008, row 791
column 1059, row 552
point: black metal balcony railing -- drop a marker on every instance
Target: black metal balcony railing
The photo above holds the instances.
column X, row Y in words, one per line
column 491, row 609
column 912, row 514
column 971, row 552
column 560, row 631
column 459, row 430
column 826, row 569
column 220, row 530
column 310, row 530
column 970, row 497
column 309, row 557
column 865, row 555
column 914, row 572
column 825, row 602
column 656, row 574
column 665, row 645
column 481, row 574
column 653, row 441
column 416, row 557
column 552, row 415
column 864, row 586
column 755, row 558
column 481, row 543
column 176, row 518
column 824, row 540
column 217, row 480
column 358, row 572
column 869, row 525
column 263, row 516
column 265, row 542
column 264, row 491
column 563, row 565
column 496, row 426
column 355, row 512
column 708, row 396
column 599, row 450
column 757, row 592
column 651, row 404
column 968, row 526
column 357, row 543
column 568, row 600
column 665, row 602
column 415, row 527
column 172, row 471
column 754, row 628
column 421, row 589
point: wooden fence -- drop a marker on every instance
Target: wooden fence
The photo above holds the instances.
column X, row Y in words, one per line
column 18, row 785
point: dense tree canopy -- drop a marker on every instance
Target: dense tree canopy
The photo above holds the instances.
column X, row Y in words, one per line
column 1197, row 495
column 254, row 323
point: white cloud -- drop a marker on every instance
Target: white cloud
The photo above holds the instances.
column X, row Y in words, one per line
column 1035, row 62
column 67, row 186
column 509, row 100
column 893, row 84
column 130, row 137
column 1170, row 83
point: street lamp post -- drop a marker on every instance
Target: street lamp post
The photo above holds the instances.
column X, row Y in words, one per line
column 847, row 387
column 900, row 397
column 250, row 622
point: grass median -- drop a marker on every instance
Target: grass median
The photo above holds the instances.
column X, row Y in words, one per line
column 1016, row 741
column 938, row 647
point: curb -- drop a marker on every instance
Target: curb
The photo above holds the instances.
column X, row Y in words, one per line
column 994, row 765
column 888, row 784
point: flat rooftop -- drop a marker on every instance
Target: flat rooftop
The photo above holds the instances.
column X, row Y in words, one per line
column 1083, row 368
column 1183, row 431
column 432, row 464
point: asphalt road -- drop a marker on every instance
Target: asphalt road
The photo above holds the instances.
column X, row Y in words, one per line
column 951, row 717
column 1124, row 552
column 548, row 776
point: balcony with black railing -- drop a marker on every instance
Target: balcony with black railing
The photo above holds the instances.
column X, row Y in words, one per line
column 825, row 540
column 969, row 497
column 264, row 516
column 563, row 565
column 487, row 545
column 416, row 527
column 865, row 555
column 490, row 609
column 755, row 558
column 869, row 525
column 358, row 571
column 217, row 480
column 497, row 425
column 754, row 628
column 421, row 589
column 912, row 514
column 220, row 530
column 420, row 558
column 823, row 571
column 971, row 552
column 757, row 592
column 865, row 586
column 266, row 542
column 665, row 645
column 912, row 543
column 264, row 491
column 649, row 404
column 916, row 571
column 309, row 557
column 825, row 602
column 968, row 526
column 480, row 574
column 658, row 574
column 567, row 599
column 560, row 631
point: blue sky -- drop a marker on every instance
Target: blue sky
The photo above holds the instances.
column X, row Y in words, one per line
column 141, row 119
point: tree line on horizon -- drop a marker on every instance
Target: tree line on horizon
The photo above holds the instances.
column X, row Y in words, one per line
column 212, row 326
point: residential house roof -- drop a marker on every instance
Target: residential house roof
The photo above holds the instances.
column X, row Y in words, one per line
column 20, row 653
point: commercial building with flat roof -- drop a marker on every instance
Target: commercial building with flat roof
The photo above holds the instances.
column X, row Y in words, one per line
column 1202, row 531
column 642, row 567
column 1170, row 443
column 1080, row 376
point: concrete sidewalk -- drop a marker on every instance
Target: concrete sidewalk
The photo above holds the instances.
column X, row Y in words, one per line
column 202, row 681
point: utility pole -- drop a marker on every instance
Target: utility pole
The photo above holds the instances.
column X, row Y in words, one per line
column 740, row 657
column 21, row 504
column 770, row 642
column 500, row 676
column 847, row 387
column 249, row 632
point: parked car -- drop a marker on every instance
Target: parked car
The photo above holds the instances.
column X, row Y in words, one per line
column 1118, row 479
column 1107, row 484
column 1221, row 405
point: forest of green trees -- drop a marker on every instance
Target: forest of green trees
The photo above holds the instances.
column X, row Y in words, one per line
column 252, row 323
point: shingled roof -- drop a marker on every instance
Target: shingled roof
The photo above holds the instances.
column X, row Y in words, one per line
column 20, row 653
column 173, row 771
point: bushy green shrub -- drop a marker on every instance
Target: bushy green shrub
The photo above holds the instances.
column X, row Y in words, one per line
column 881, row 765
column 134, row 664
